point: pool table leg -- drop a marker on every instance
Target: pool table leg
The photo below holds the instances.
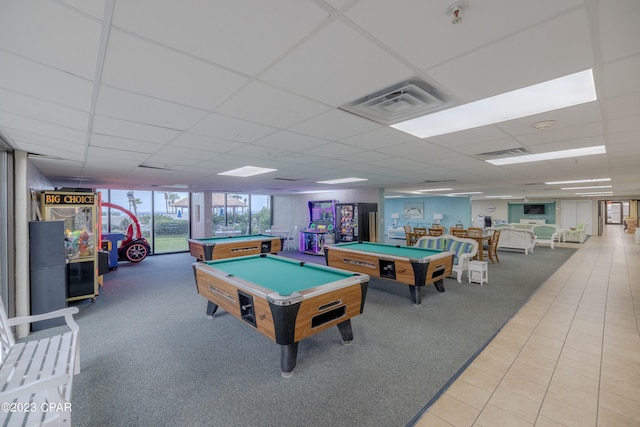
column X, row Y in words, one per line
column 345, row 331
column 288, row 357
column 416, row 298
column 439, row 284
column 211, row 309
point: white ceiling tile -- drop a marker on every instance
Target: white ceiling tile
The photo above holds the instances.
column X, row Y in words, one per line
column 205, row 143
column 622, row 106
column 264, row 104
column 290, row 141
column 619, row 29
column 335, row 125
column 518, row 60
column 38, row 81
column 230, row 128
column 126, row 129
column 337, row 65
column 13, row 121
column 129, row 145
column 129, row 106
column 382, row 137
column 71, row 47
column 244, row 35
column 93, row 8
column 621, row 77
column 27, row 106
column 153, row 70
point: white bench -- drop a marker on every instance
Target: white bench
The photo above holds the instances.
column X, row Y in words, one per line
column 36, row 375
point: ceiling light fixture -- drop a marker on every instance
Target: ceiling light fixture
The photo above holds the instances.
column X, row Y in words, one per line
column 551, row 95
column 341, row 180
column 551, row 155
column 247, row 171
column 435, row 189
column 578, row 181
column 584, row 188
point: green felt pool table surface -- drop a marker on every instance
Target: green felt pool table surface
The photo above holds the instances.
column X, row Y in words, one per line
column 282, row 275
column 387, row 249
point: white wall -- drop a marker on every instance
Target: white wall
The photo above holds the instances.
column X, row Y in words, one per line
column 292, row 210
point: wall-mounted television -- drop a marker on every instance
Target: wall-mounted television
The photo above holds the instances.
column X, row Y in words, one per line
column 533, row 209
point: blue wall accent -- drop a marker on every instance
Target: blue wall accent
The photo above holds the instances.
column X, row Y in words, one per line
column 454, row 209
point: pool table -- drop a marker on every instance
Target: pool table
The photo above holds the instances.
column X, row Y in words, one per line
column 284, row 299
column 232, row 246
column 413, row 266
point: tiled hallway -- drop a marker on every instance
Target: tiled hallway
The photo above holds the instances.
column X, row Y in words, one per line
column 569, row 357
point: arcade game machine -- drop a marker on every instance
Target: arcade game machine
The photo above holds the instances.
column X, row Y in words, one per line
column 78, row 210
column 321, row 227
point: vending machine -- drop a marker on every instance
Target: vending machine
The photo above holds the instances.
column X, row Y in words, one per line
column 356, row 222
column 78, row 211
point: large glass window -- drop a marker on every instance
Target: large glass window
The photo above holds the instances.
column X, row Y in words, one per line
column 119, row 220
column 260, row 213
column 171, row 222
column 237, row 214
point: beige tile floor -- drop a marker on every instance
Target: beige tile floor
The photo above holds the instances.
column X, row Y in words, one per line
column 569, row 357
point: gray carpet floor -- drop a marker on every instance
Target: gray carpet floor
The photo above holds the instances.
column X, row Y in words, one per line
column 150, row 356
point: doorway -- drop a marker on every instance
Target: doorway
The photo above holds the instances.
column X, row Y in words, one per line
column 615, row 212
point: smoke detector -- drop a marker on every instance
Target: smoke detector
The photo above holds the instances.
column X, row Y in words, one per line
column 455, row 10
column 543, row 125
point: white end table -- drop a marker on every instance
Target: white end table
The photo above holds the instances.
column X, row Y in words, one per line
column 479, row 272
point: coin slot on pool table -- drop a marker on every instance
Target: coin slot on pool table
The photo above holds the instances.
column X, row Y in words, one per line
column 388, row 269
column 246, row 308
column 265, row 247
column 328, row 316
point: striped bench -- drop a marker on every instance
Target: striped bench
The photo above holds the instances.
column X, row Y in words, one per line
column 36, row 375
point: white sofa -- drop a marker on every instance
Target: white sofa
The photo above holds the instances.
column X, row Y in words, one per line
column 515, row 238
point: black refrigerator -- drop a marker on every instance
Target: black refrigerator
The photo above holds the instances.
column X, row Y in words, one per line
column 48, row 270
column 356, row 222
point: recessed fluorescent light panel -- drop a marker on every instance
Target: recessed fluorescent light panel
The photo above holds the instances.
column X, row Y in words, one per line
column 562, row 92
column 435, row 189
column 246, row 171
column 342, row 180
column 551, row 155
column 586, row 188
column 578, row 181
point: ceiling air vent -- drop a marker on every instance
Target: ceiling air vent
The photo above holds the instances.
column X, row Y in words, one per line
column 403, row 101
column 509, row 152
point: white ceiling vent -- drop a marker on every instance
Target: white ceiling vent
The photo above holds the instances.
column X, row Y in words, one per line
column 509, row 152
column 403, row 101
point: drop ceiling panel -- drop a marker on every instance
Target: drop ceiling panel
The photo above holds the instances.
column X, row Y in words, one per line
column 335, row 125
column 378, row 138
column 106, row 155
column 244, row 35
column 153, row 70
column 623, row 106
column 93, row 8
column 22, row 105
column 39, row 81
column 205, row 143
column 15, row 122
column 619, row 29
column 515, row 61
column 621, row 77
column 132, row 130
column 261, row 103
column 337, row 65
column 71, row 47
column 124, row 144
column 143, row 109
column 290, row 141
column 334, row 149
column 230, row 128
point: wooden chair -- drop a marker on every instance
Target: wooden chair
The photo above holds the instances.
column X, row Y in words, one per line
column 492, row 248
column 458, row 232
column 422, row 230
column 474, row 232
column 436, row 231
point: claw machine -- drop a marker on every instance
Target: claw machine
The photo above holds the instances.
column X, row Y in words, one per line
column 78, row 210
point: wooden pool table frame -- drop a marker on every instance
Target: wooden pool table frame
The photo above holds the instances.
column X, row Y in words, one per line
column 415, row 272
column 285, row 319
column 234, row 246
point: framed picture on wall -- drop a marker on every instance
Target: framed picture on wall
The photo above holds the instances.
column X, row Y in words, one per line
column 413, row 211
